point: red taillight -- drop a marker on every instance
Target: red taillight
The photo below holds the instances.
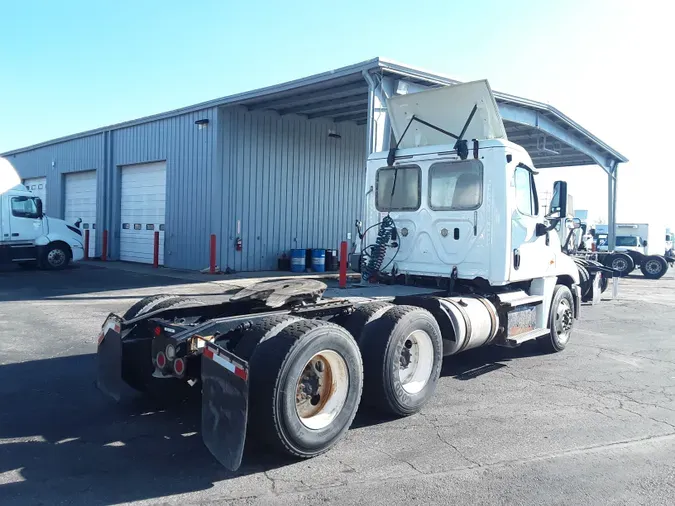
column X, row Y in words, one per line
column 158, row 331
column 161, row 360
column 179, row 366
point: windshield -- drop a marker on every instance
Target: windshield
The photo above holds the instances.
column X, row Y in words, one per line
column 626, row 240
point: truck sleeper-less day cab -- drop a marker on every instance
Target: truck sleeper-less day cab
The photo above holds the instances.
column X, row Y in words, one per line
column 290, row 368
column 633, row 250
column 27, row 236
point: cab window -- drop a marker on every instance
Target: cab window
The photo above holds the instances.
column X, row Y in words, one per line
column 456, row 186
column 24, row 207
column 398, row 188
column 526, row 193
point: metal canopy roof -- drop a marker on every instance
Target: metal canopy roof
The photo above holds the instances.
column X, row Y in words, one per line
column 551, row 138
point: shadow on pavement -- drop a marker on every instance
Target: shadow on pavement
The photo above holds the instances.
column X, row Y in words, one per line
column 70, row 441
column 85, row 449
column 18, row 284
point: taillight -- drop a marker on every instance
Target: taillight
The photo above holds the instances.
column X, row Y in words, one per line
column 161, row 360
column 158, row 331
column 179, row 366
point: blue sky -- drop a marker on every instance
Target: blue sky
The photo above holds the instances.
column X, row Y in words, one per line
column 69, row 66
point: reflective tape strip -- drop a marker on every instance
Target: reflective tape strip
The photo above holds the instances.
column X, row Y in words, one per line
column 109, row 324
column 224, row 362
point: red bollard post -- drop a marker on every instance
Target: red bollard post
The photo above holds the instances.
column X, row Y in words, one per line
column 343, row 264
column 86, row 244
column 155, row 257
column 212, row 259
column 104, row 253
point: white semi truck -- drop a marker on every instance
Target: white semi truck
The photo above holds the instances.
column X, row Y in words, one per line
column 28, row 237
column 289, row 368
column 638, row 245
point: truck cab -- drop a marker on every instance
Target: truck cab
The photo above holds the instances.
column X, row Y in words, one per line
column 469, row 213
column 27, row 236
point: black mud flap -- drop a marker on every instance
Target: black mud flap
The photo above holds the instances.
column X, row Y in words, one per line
column 109, row 355
column 224, row 405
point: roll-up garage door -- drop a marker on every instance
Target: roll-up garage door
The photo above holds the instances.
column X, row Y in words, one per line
column 38, row 185
column 142, row 211
column 80, row 199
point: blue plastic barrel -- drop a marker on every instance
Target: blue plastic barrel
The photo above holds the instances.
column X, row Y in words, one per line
column 297, row 260
column 319, row 260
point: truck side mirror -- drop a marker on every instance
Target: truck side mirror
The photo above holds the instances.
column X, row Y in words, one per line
column 38, row 205
column 558, row 208
column 644, row 242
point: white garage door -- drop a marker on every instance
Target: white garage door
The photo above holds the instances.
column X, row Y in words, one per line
column 142, row 211
column 81, row 203
column 38, row 185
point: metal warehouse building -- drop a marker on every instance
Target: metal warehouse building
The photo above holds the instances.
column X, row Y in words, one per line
column 278, row 168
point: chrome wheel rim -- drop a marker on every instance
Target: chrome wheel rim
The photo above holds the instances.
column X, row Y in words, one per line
column 619, row 264
column 653, row 267
column 563, row 320
column 56, row 257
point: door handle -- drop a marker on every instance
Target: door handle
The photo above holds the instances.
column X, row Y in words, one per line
column 15, row 234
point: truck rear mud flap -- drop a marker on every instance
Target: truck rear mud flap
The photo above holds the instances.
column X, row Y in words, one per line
column 109, row 375
column 224, row 405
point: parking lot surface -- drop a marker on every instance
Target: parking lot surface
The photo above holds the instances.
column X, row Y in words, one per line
column 592, row 425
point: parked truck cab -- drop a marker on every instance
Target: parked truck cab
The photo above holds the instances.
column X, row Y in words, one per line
column 278, row 361
column 27, row 236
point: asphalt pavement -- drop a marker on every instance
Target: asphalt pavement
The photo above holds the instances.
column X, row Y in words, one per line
column 594, row 424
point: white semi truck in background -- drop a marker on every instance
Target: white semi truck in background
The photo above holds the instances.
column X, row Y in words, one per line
column 290, row 368
column 643, row 246
column 28, row 237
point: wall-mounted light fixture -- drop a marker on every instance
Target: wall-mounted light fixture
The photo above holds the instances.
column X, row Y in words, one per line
column 202, row 123
column 334, row 135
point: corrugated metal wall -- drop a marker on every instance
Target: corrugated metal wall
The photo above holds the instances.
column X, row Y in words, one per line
column 289, row 185
column 86, row 153
column 283, row 179
column 190, row 154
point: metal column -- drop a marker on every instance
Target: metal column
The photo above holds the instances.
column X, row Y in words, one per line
column 379, row 125
column 612, row 177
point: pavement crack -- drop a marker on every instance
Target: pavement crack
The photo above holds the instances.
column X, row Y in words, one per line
column 410, row 464
column 474, row 463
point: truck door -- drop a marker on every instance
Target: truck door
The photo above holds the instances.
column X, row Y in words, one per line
column 25, row 225
column 531, row 256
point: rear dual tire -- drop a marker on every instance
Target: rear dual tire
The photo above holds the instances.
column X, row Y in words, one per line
column 402, row 357
column 654, row 267
column 305, row 383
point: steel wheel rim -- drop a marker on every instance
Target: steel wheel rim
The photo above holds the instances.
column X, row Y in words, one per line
column 416, row 361
column 56, row 257
column 653, row 267
column 321, row 390
column 563, row 320
column 619, row 264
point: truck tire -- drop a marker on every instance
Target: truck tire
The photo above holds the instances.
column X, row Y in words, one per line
column 654, row 267
column 56, row 256
column 153, row 302
column 244, row 342
column 305, row 386
column 136, row 377
column 621, row 263
column 561, row 320
column 402, row 358
column 363, row 314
